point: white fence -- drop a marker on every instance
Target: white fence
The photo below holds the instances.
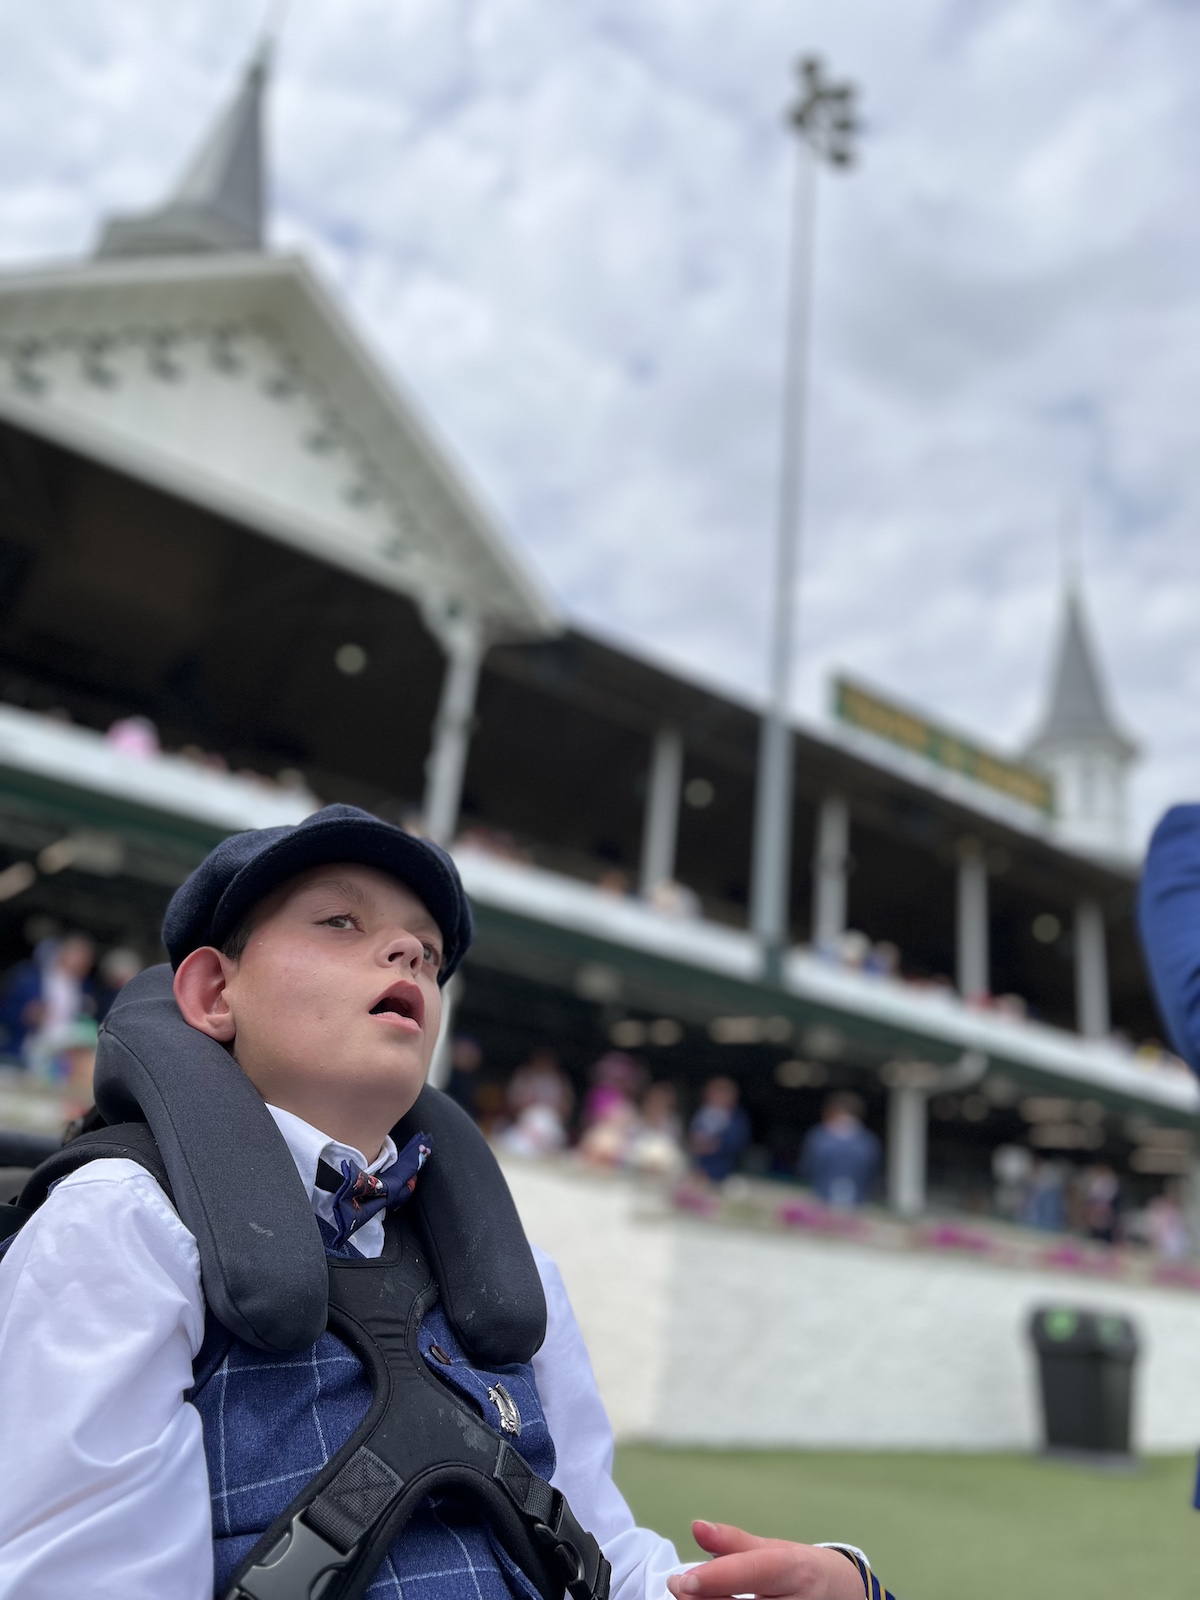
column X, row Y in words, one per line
column 715, row 1335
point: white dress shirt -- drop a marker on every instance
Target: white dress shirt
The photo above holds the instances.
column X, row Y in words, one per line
column 103, row 1481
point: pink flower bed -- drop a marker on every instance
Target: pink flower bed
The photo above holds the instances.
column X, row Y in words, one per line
column 820, row 1219
column 700, row 1202
column 1177, row 1274
column 1071, row 1258
column 950, row 1236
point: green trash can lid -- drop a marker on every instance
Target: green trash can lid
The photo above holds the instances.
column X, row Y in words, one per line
column 1082, row 1331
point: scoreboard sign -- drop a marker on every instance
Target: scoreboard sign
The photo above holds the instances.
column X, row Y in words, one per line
column 860, row 708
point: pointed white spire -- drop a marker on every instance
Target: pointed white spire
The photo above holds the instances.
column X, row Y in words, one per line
column 1078, row 741
column 219, row 202
column 1077, row 711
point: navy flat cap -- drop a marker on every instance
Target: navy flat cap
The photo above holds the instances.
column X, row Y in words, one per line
column 247, row 866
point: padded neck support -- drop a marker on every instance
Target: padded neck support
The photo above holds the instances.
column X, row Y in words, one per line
column 236, row 1188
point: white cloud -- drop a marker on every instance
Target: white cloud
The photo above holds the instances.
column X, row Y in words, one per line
column 566, row 228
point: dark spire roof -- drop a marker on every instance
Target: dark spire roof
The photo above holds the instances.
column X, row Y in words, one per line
column 218, row 203
column 1078, row 711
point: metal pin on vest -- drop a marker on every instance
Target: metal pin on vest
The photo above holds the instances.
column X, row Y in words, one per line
column 510, row 1417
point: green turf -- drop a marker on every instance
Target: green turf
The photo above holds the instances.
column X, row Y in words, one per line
column 944, row 1527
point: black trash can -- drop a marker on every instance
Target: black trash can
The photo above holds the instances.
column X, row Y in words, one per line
column 1085, row 1360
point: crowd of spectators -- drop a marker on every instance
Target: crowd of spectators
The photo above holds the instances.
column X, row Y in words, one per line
column 624, row 1120
column 1057, row 1197
column 51, row 1006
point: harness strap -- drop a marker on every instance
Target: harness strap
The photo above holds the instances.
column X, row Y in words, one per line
column 346, row 1511
column 417, row 1438
column 325, row 1539
column 585, row 1570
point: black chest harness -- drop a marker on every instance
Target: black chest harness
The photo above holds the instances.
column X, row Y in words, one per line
column 179, row 1105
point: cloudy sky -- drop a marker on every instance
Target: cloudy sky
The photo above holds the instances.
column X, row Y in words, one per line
column 565, row 227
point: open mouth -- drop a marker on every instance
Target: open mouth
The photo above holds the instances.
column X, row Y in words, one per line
column 401, row 1006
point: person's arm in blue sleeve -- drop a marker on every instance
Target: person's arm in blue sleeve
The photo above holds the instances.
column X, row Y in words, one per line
column 1169, row 920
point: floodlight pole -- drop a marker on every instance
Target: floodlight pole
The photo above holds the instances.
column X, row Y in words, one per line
column 825, row 123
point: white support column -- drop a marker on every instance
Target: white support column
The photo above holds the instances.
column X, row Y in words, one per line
column 831, row 863
column 438, row 1075
column 1190, row 1199
column 661, row 827
column 906, row 1139
column 972, row 954
column 1091, row 972
column 446, row 765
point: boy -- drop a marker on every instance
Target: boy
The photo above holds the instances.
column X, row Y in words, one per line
column 316, row 956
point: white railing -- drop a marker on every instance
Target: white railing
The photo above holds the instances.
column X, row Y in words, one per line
column 937, row 1016
column 81, row 759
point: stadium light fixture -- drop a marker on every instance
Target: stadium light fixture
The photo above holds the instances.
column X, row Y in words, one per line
column 825, row 119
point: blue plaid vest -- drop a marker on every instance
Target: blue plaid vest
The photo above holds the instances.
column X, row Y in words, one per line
column 272, row 1422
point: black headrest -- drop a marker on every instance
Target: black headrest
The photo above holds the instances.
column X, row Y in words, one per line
column 235, row 1185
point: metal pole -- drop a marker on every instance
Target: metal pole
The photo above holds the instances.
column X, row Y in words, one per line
column 972, row 955
column 447, row 762
column 907, row 1131
column 661, row 828
column 829, row 872
column 771, row 871
column 1091, row 972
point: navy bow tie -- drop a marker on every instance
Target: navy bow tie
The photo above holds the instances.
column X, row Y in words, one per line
column 358, row 1196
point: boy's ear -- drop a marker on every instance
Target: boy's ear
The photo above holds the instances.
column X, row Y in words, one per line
column 200, row 993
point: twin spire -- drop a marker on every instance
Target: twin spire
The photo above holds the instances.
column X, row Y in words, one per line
column 219, row 206
column 1078, row 713
column 219, row 203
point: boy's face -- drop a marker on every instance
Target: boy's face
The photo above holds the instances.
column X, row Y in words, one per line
column 334, row 1004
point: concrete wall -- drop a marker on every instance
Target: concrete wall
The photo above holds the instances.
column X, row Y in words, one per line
column 706, row 1334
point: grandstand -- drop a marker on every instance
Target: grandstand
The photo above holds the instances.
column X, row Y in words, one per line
column 218, row 513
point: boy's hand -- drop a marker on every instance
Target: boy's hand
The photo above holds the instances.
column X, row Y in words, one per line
column 774, row 1568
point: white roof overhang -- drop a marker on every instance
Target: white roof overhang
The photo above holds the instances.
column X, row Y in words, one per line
column 235, row 382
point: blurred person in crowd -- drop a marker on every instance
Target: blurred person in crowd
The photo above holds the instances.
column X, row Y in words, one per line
column 883, row 960
column 1012, row 1168
column 541, row 1081
column 537, row 1131
column 609, row 1118
column 616, row 1080
column 609, row 1140
column 840, row 1156
column 1101, row 1194
column 117, row 967
column 674, row 899
column 1046, row 1198
column 657, row 1144
column 1166, row 1226
column 719, row 1131
column 540, row 1101
column 466, row 1061
column 48, row 994
column 134, row 736
column 852, row 948
column 67, row 1062
column 614, row 881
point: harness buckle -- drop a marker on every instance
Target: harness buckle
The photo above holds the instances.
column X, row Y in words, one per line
column 299, row 1567
column 565, row 1539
